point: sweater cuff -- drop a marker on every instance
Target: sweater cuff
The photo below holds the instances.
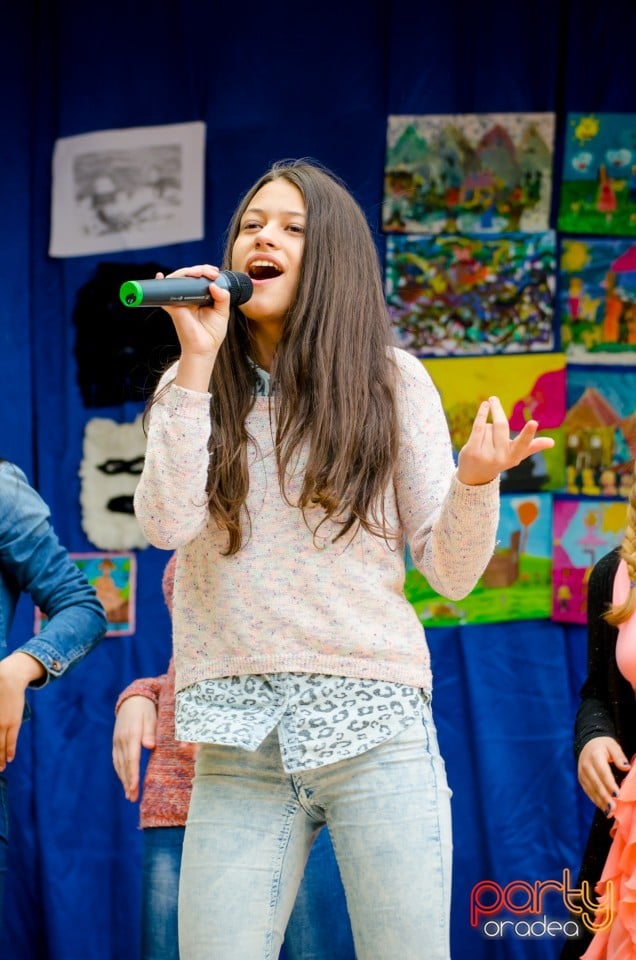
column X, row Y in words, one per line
column 149, row 687
column 478, row 489
column 475, row 496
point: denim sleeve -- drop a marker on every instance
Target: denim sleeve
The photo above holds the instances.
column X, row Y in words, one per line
column 34, row 562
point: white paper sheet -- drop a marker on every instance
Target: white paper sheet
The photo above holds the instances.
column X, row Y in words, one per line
column 127, row 189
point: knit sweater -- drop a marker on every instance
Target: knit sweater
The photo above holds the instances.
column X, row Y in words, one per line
column 165, row 796
column 291, row 600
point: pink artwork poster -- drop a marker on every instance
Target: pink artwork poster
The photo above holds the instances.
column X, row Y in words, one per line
column 583, row 531
column 530, row 386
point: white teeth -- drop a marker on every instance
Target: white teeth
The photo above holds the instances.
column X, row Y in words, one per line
column 264, row 263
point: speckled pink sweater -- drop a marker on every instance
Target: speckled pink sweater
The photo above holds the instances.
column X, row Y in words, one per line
column 286, row 602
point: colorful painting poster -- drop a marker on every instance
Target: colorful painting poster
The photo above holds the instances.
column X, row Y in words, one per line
column 530, row 387
column 582, row 532
column 516, row 584
column 456, row 295
column 598, row 182
column 600, row 431
column 468, row 173
column 597, row 302
column 114, row 577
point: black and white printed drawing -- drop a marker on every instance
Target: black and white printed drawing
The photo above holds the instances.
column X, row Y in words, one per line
column 127, row 189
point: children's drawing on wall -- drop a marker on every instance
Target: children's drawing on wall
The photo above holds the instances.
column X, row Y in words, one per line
column 468, row 173
column 530, row 387
column 600, row 431
column 114, row 577
column 598, row 183
column 126, row 189
column 582, row 531
column 598, row 300
column 112, row 461
column 516, row 584
column 454, row 295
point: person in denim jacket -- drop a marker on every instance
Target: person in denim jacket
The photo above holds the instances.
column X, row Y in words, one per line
column 33, row 561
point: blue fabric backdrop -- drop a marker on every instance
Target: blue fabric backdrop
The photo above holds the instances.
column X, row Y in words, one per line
column 269, row 82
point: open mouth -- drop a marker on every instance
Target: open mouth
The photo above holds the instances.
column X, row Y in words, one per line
column 263, row 270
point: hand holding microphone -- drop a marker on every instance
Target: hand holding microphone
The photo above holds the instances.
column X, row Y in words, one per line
column 185, row 291
column 202, row 326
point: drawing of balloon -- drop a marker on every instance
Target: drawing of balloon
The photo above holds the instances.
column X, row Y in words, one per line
column 527, row 511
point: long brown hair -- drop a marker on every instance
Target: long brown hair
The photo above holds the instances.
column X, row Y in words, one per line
column 620, row 612
column 333, row 379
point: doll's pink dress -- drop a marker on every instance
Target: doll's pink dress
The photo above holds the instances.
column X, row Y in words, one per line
column 618, row 942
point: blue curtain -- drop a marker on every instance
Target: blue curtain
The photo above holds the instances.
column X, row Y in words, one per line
column 269, row 82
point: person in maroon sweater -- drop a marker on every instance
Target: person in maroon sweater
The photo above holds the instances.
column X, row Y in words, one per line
column 145, row 719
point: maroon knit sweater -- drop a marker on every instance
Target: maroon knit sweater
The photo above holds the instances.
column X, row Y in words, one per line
column 168, row 779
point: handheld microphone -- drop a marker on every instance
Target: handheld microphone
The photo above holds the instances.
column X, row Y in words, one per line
column 184, row 290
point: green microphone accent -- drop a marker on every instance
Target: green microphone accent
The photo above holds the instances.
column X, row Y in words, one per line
column 131, row 293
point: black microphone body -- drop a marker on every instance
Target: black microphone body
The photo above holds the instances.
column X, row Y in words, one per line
column 172, row 291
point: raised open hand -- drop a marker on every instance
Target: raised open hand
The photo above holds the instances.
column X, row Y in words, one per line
column 490, row 449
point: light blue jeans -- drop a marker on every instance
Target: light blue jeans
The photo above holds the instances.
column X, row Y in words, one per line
column 251, row 827
column 318, row 928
